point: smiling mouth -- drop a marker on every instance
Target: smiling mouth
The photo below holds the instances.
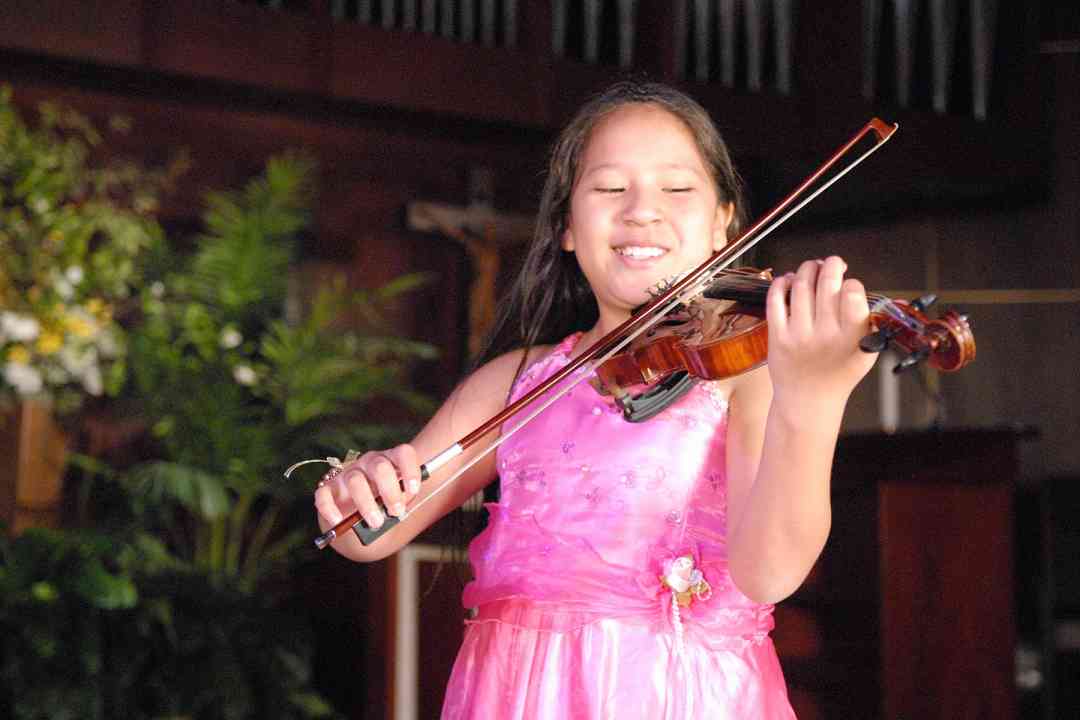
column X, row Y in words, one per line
column 640, row 252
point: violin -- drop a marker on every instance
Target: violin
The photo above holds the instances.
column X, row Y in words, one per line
column 723, row 333
column 945, row 343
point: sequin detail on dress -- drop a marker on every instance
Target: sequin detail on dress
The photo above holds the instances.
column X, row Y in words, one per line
column 576, row 617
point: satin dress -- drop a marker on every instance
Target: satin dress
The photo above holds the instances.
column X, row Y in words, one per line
column 601, row 585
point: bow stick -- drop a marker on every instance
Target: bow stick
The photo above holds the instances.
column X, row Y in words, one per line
column 682, row 290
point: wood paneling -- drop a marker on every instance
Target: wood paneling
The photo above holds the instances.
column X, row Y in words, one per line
column 911, row 611
column 109, row 32
column 937, row 158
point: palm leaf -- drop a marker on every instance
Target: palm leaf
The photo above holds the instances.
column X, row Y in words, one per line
column 195, row 490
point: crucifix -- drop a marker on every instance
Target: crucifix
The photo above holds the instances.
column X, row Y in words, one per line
column 484, row 232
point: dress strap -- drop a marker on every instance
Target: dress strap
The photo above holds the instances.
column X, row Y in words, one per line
column 545, row 366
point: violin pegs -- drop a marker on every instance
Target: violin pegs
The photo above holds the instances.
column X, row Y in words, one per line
column 877, row 341
column 923, row 302
column 912, row 360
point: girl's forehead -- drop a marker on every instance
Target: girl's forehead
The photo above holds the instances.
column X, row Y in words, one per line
column 641, row 132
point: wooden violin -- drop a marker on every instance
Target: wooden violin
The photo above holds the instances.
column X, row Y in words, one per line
column 944, row 343
column 723, row 333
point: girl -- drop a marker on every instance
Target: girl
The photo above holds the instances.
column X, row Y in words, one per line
column 629, row 570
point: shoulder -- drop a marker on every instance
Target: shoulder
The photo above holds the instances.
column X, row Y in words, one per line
column 492, row 381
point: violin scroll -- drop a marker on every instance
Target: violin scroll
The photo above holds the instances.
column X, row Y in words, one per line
column 945, row 343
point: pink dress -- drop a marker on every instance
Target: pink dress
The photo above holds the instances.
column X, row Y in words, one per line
column 574, row 618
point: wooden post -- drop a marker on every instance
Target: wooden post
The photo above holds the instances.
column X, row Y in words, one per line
column 33, row 453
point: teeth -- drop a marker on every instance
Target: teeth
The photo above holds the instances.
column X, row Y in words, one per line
column 640, row 252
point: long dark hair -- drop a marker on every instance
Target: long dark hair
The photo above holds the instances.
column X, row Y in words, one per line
column 551, row 297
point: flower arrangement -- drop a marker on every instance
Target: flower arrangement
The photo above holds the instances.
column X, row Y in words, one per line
column 157, row 602
column 73, row 236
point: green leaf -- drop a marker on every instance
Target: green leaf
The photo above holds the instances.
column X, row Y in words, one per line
column 154, row 554
column 197, row 491
column 44, row 592
column 403, row 284
column 103, row 589
column 312, row 705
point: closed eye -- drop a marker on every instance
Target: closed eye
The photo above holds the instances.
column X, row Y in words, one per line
column 609, row 189
column 679, row 189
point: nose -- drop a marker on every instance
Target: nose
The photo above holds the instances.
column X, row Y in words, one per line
column 642, row 206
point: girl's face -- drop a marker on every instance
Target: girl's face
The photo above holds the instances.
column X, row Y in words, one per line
column 643, row 209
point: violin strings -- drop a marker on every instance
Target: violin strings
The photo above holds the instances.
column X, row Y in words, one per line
column 738, row 281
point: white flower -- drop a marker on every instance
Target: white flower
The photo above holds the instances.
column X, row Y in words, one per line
column 157, row 289
column 55, row 374
column 18, row 328
column 230, row 338
column 679, row 576
column 244, row 375
column 64, row 289
column 74, row 360
column 25, row 379
column 108, row 343
column 91, row 380
column 74, row 274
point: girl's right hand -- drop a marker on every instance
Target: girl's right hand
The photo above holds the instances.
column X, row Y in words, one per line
column 390, row 477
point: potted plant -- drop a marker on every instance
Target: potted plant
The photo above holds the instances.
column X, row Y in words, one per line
column 172, row 597
column 74, row 231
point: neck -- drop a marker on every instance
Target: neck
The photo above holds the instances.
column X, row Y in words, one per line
column 607, row 322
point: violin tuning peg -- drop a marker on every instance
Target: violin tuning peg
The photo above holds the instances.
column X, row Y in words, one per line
column 923, row 302
column 877, row 341
column 912, row 360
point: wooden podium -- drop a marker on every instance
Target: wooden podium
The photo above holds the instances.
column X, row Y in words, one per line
column 909, row 611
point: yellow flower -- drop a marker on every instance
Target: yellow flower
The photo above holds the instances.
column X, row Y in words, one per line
column 49, row 342
column 99, row 309
column 19, row 355
column 79, row 326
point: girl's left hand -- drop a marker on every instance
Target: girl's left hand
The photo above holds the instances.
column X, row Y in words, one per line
column 816, row 319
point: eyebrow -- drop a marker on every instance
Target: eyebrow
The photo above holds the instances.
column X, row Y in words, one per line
column 616, row 166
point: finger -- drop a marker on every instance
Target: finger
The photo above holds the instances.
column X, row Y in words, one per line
column 408, row 467
column 802, row 297
column 776, row 305
column 388, row 482
column 325, row 505
column 830, row 278
column 356, row 480
column 854, row 307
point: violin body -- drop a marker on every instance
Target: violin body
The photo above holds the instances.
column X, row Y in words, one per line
column 709, row 324
column 741, row 344
column 718, row 335
column 723, row 333
column 733, row 354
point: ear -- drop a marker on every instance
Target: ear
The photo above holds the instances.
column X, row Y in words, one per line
column 725, row 212
column 567, row 240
